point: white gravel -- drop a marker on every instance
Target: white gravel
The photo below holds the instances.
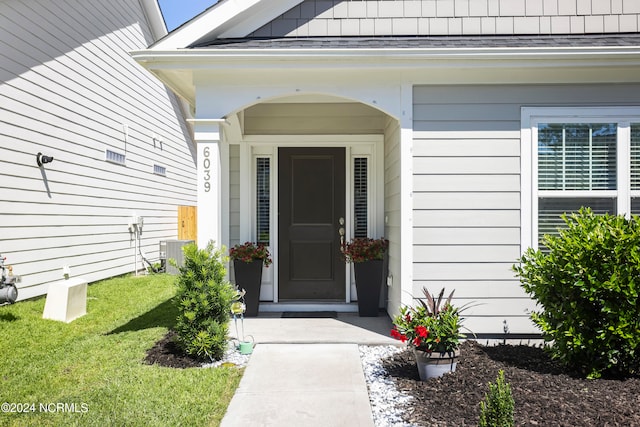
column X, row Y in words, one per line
column 384, row 397
column 232, row 357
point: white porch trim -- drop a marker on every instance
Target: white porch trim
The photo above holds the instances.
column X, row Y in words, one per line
column 406, row 194
column 212, row 182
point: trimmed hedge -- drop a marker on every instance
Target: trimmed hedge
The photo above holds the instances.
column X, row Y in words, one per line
column 586, row 283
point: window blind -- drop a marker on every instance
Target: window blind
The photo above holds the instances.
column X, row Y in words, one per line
column 577, row 156
column 263, row 199
column 360, row 197
column 550, row 210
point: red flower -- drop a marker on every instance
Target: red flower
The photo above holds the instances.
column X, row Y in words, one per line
column 397, row 335
column 407, row 317
column 422, row 331
column 417, row 341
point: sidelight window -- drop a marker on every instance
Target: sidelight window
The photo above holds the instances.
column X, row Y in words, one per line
column 360, row 197
column 263, row 199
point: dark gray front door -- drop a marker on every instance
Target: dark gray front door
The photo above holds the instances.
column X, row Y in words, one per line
column 311, row 202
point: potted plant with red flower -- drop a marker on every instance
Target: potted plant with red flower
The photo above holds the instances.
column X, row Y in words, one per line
column 248, row 260
column 369, row 263
column 432, row 330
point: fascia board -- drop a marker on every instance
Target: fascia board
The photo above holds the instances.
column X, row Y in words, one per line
column 259, row 15
column 154, row 17
column 237, row 17
column 394, row 58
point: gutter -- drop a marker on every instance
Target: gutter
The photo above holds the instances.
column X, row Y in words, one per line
column 629, row 55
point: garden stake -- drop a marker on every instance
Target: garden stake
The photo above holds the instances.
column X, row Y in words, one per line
column 237, row 310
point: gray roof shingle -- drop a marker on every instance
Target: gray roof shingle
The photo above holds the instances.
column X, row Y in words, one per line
column 427, row 42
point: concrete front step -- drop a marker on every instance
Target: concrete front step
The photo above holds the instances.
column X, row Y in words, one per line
column 346, row 328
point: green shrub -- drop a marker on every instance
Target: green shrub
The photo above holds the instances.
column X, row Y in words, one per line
column 586, row 284
column 203, row 299
column 496, row 410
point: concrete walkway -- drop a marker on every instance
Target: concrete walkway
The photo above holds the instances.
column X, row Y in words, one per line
column 306, row 372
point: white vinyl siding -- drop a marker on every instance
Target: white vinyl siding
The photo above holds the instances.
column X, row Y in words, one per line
column 70, row 90
column 467, row 200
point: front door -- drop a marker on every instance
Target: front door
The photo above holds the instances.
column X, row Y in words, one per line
column 311, row 207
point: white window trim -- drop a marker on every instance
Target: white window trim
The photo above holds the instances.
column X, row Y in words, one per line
column 530, row 117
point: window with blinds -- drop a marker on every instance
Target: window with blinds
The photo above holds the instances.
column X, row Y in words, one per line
column 263, row 199
column 577, row 156
column 577, row 166
column 360, row 197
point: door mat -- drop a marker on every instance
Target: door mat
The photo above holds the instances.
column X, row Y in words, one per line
column 309, row 315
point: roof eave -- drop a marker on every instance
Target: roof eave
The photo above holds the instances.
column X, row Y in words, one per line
column 168, row 65
column 213, row 55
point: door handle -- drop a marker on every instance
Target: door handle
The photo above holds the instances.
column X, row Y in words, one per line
column 341, row 231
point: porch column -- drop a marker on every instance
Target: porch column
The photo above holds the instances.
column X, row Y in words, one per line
column 208, row 137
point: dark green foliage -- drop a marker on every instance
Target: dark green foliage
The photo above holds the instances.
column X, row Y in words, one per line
column 586, row 284
column 496, row 410
column 203, row 299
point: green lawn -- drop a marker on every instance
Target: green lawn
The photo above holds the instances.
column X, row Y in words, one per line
column 94, row 364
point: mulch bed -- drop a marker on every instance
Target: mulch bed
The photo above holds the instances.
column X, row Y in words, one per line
column 166, row 353
column 544, row 393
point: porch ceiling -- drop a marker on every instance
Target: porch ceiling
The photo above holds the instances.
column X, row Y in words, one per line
column 325, row 116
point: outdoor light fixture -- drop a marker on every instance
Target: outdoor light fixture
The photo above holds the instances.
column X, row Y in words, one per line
column 43, row 160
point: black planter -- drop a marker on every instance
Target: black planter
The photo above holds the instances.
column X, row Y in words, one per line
column 249, row 278
column 369, row 278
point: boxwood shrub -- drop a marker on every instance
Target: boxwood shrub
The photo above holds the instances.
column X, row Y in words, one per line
column 203, row 300
column 496, row 410
column 586, row 281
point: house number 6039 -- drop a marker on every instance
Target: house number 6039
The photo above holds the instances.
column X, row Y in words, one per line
column 206, row 164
